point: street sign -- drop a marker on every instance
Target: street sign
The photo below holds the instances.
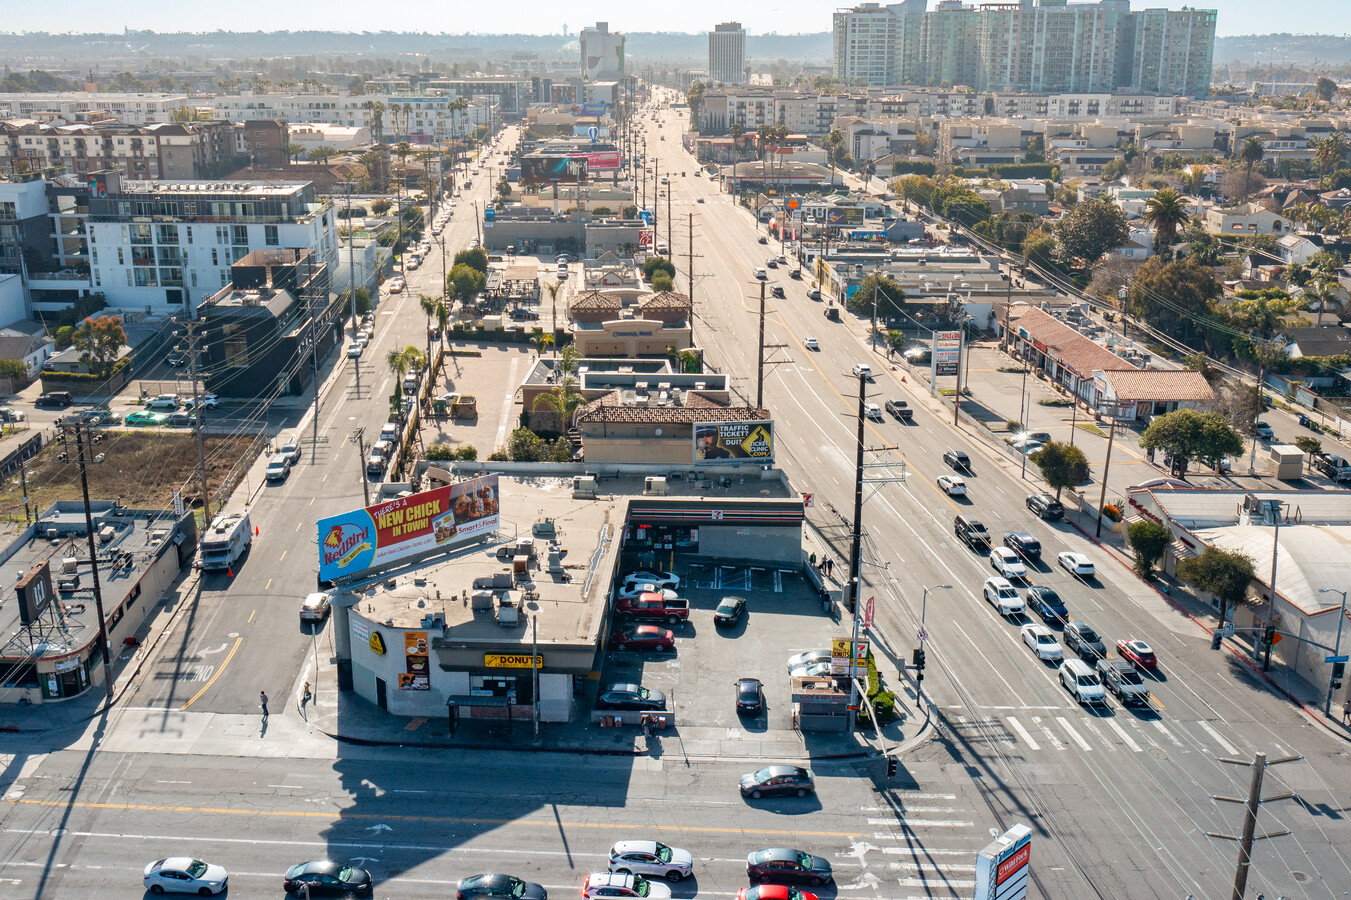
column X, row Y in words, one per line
column 806, row 500
column 1337, row 659
column 922, row 635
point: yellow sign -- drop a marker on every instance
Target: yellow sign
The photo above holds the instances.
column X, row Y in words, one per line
column 839, row 647
column 377, row 644
column 512, row 661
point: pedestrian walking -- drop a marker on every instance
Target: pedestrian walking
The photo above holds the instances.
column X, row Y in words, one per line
column 1346, row 713
column 262, row 698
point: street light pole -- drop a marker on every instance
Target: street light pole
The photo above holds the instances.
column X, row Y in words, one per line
column 923, row 633
column 1336, row 648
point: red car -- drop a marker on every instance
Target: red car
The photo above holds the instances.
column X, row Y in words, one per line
column 1138, row 652
column 643, row 637
column 773, row 892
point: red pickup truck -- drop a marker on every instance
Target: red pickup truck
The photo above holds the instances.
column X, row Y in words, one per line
column 654, row 606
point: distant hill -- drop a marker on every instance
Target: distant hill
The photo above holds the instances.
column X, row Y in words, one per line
column 1299, row 49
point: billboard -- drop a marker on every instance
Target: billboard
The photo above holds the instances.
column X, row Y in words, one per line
column 588, row 109
column 593, row 132
column 405, row 528
column 734, row 442
column 602, row 159
column 1004, row 867
column 844, row 216
column 947, row 352
column 546, row 169
column 416, row 675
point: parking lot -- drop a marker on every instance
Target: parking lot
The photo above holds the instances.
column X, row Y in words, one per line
column 783, row 617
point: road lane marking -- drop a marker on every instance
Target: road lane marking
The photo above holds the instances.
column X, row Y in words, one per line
column 1126, row 738
column 1227, row 747
column 231, row 655
column 1172, row 737
column 1069, row 729
column 268, row 585
column 1050, row 735
column 1023, row 733
column 924, row 823
column 283, row 556
column 1093, row 728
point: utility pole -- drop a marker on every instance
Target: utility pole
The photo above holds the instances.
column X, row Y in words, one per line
column 689, row 256
column 872, row 329
column 198, row 411
column 760, row 359
column 351, row 261
column 358, row 437
column 1254, row 800
column 94, row 566
column 1270, row 631
column 856, row 545
column 1106, row 469
column 534, row 668
column 23, row 484
column 315, row 331
column 957, row 395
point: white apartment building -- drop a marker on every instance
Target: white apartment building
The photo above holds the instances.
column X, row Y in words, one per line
column 319, row 134
column 727, row 53
column 82, row 106
column 428, row 119
column 602, row 53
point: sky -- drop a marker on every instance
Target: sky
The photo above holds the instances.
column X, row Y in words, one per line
column 547, row 16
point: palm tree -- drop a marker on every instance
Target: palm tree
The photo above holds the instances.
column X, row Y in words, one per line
column 735, row 130
column 376, row 109
column 293, row 151
column 1250, row 153
column 407, row 119
column 1328, row 152
column 564, row 400
column 553, row 287
column 429, row 305
column 1195, row 178
column 1166, row 210
column 323, row 153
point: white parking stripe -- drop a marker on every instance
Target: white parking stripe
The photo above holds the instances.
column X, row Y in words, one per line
column 1125, row 738
column 1172, row 737
column 1069, row 729
column 1022, row 733
column 1227, row 747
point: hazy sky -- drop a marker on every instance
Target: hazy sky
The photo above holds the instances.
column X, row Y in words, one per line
column 548, row 17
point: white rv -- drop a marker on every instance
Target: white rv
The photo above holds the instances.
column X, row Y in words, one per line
column 225, row 541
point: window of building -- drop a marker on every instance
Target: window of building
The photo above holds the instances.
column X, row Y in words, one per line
column 239, row 234
column 270, row 235
column 235, row 345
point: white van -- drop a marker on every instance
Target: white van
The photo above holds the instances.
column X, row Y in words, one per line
column 1082, row 682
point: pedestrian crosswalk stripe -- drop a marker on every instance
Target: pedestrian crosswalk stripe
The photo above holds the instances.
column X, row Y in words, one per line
column 1022, row 733
column 1125, row 738
column 1069, row 729
column 1172, row 737
column 926, row 852
column 1050, row 735
column 1097, row 733
column 1224, row 745
column 920, row 823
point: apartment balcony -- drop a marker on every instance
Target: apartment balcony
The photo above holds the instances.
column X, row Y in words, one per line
column 64, row 280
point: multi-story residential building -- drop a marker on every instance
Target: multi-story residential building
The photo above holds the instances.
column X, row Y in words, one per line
column 1027, row 45
column 727, row 53
column 165, row 150
column 418, row 118
column 83, row 106
column 512, row 94
column 602, row 53
column 266, row 142
column 24, row 231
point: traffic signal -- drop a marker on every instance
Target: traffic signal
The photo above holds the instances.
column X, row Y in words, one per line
column 1338, row 673
column 917, row 659
column 1216, row 638
column 891, row 767
column 1269, row 635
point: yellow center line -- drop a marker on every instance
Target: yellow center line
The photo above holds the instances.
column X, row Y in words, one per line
column 385, row 817
column 268, row 585
column 231, row 655
column 283, row 556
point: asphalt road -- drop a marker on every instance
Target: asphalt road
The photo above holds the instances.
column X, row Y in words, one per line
column 1121, row 800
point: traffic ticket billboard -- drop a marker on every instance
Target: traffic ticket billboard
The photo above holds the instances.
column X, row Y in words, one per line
column 734, row 442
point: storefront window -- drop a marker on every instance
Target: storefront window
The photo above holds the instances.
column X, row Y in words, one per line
column 662, row 537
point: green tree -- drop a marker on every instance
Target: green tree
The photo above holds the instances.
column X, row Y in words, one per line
column 1328, row 152
column 380, row 207
column 1223, row 573
column 1039, row 248
column 1148, row 540
column 1114, row 170
column 1166, row 210
column 63, row 336
column 1062, row 465
column 1188, row 436
column 1310, row 446
column 1250, row 153
column 886, row 291
column 1325, row 88
column 1262, row 313
column 553, row 287
column 99, row 341
column 1089, row 230
column 474, row 257
column 429, row 305
column 1174, row 297
column 654, row 264
column 464, row 281
column 294, row 150
column 323, row 153
column 525, row 446
column 662, row 281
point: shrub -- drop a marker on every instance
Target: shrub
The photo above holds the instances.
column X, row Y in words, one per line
column 1112, row 511
column 662, row 282
column 467, row 453
column 440, row 453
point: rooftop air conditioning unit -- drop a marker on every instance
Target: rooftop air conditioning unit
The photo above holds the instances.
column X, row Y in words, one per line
column 655, row 484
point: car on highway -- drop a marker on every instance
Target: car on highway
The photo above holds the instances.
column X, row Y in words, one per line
column 278, row 467
column 493, row 886
column 1003, row 596
column 325, row 877
column 660, row 579
column 900, row 409
column 1082, row 682
column 164, row 402
column 1041, row 641
column 729, row 612
column 776, row 290
column 864, row 371
column 1082, row 639
column 873, row 412
column 771, row 263
column 1138, row 652
column 750, row 696
column 795, row 274
column 761, row 274
column 1023, row 544
column 600, row 885
column 143, row 419
column 1075, row 563
column 185, row 875
column 643, row 637
column 315, row 607
column 952, row 485
column 1123, row 681
column 810, row 343
column 773, row 892
column 762, row 240
column 957, row 459
column 176, row 358
column 778, row 781
column 813, row 294
column 807, row 658
column 631, row 696
column 651, row 858
column 971, row 532
column 633, row 590
column 1045, row 506
column 1046, row 603
column 1006, row 563
column 779, row 864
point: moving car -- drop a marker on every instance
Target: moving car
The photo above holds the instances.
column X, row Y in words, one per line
column 1075, row 563
column 1041, row 641
column 631, row 696
column 660, row 579
column 10, row 414
column 1082, row 682
column 776, row 290
column 184, row 875
column 863, row 370
column 141, row 418
column 180, row 420
column 958, row 460
column 1023, row 544
column 499, row 887
column 314, row 608
column 779, row 864
column 810, row 343
column 1082, row 639
column 773, row 892
column 1003, row 596
column 750, row 696
column 1006, row 563
column 808, row 658
column 972, row 532
column 1138, row 652
column 729, row 612
column 1123, row 682
column 778, row 781
column 643, row 637
column 761, row 274
column 326, row 877
column 952, row 485
column 873, row 411
column 762, row 239
column 900, row 409
column 651, row 858
column 1045, row 506
column 278, row 467
column 813, row 294
column 1047, row 604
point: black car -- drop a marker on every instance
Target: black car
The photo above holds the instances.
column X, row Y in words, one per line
column 1045, row 506
column 522, row 314
column 1024, row 544
column 778, row 781
column 54, row 399
column 631, row 696
column 729, row 611
column 327, row 877
column 958, row 460
column 972, row 532
column 918, row 356
column 1047, row 604
column 750, row 696
column 1082, row 639
column 780, row 864
column 499, row 887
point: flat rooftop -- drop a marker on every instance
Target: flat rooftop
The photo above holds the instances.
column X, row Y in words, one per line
column 275, row 188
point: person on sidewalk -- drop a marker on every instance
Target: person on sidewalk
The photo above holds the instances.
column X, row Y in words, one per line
column 262, row 697
column 1346, row 713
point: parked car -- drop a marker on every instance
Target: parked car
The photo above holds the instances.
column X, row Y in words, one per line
column 952, row 485
column 1137, row 652
column 278, row 467
column 207, row 401
column 651, row 858
column 660, row 579
column 184, row 875
column 810, row 670
column 326, row 877
column 1263, row 431
column 143, row 419
column 1003, row 596
column 1076, row 563
column 1027, row 447
column 355, row 349
column 813, row 294
column 54, row 400
column 499, row 887
column 729, row 612
column 601, row 885
column 290, row 450
column 1047, row 603
column 1006, row 563
column 778, row 781
column 631, row 697
column 1023, row 544
column 1082, row 639
column 315, row 607
column 1045, row 506
column 180, row 420
column 633, row 590
column 1041, row 437
column 779, row 864
column 643, row 637
column 958, row 460
column 164, row 402
column 750, row 696
column 807, row 658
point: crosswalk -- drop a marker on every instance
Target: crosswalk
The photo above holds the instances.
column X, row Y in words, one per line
column 1038, row 730
column 922, row 845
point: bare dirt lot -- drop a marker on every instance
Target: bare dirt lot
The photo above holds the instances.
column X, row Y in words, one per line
column 139, row 469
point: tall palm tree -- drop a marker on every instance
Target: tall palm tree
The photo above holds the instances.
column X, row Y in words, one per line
column 429, row 305
column 376, row 109
column 293, row 151
column 1328, row 152
column 323, row 153
column 1166, row 210
column 407, row 119
column 735, row 130
column 1250, row 153
column 553, row 287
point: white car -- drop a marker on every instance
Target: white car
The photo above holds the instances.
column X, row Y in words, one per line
column 600, row 885
column 630, row 591
column 1003, row 596
column 184, row 875
column 810, row 671
column 952, row 485
column 208, row 401
column 1041, row 641
column 660, row 579
column 354, row 350
column 807, row 658
column 873, row 411
column 1007, row 563
column 651, row 858
column 863, row 369
column 1076, row 564
column 167, row 402
column 810, row 343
